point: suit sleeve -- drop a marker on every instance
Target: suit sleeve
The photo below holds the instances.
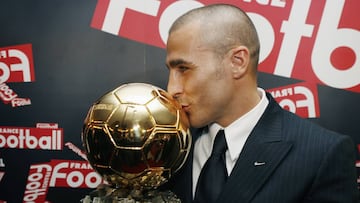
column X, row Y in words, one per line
column 335, row 181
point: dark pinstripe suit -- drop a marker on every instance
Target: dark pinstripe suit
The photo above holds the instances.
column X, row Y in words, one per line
column 303, row 163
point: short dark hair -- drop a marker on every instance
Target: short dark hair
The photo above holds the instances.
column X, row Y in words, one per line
column 223, row 27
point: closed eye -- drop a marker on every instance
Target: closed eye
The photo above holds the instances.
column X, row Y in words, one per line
column 182, row 68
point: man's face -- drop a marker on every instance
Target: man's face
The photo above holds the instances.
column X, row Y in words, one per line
column 198, row 79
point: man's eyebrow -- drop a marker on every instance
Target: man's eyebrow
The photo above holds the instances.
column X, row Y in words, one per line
column 176, row 62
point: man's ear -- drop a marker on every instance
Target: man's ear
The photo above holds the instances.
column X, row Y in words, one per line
column 240, row 57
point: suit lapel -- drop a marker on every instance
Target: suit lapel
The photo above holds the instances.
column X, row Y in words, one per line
column 262, row 153
column 183, row 184
column 186, row 179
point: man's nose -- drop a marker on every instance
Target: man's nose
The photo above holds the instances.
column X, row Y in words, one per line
column 174, row 86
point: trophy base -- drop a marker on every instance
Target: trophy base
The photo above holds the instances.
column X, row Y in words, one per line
column 107, row 194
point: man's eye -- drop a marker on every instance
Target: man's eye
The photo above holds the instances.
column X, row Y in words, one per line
column 183, row 68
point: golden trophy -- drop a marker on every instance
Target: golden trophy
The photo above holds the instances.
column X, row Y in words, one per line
column 136, row 137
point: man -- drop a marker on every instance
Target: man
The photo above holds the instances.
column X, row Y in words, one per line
column 271, row 155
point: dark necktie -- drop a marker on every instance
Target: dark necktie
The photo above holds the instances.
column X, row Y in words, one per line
column 214, row 174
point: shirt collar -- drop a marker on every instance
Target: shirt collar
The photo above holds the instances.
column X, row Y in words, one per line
column 238, row 131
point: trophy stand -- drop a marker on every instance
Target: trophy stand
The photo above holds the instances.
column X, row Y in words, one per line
column 107, row 194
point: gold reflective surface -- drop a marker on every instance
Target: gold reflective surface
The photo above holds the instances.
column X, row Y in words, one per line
column 136, row 136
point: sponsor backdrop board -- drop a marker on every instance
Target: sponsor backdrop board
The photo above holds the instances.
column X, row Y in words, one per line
column 58, row 57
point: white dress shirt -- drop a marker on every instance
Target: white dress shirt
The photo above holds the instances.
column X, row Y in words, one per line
column 236, row 135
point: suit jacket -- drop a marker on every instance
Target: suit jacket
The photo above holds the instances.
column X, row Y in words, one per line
column 303, row 163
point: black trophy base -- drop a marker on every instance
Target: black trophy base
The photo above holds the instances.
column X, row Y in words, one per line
column 107, row 194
